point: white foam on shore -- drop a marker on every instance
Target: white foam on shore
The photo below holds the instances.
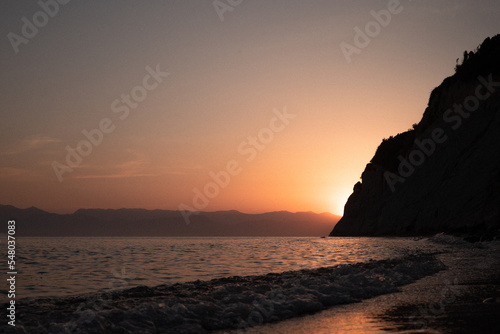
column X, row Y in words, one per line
column 447, row 239
column 226, row 303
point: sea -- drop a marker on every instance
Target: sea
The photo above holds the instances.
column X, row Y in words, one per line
column 205, row 284
column 61, row 266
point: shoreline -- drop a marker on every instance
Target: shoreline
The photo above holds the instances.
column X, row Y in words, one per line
column 450, row 301
column 468, row 300
column 227, row 303
column 422, row 291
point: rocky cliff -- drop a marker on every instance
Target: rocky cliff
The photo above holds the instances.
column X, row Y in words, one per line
column 444, row 174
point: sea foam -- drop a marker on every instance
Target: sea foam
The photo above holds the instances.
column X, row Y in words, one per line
column 227, row 303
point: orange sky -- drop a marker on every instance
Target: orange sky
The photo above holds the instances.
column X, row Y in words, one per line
column 227, row 82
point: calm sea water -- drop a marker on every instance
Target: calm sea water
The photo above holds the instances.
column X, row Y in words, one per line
column 65, row 266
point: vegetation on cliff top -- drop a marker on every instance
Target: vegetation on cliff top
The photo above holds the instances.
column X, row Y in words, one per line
column 483, row 60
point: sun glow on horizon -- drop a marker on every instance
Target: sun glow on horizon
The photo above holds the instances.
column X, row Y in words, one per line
column 339, row 200
column 106, row 127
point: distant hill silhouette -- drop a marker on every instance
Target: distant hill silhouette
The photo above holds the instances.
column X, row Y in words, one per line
column 141, row 222
column 412, row 186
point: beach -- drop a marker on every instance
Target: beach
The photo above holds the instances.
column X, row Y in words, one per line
column 440, row 284
column 464, row 298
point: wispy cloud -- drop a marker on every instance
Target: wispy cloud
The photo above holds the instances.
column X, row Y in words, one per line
column 117, row 172
column 114, row 176
column 30, row 143
column 138, row 165
column 12, row 172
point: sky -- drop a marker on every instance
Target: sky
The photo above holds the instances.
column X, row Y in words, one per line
column 254, row 106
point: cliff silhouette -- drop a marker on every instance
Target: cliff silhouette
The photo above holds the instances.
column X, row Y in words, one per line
column 443, row 175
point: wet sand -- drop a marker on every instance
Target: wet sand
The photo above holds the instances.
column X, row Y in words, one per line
column 465, row 298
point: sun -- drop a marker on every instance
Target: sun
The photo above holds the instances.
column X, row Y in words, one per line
column 339, row 200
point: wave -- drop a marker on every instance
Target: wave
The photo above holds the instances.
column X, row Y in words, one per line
column 226, row 303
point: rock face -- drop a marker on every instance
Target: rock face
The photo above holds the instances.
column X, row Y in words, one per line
column 444, row 174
